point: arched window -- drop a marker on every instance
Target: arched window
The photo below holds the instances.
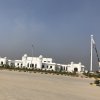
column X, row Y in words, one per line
column 21, row 65
column 75, row 69
column 35, row 65
column 50, row 66
column 32, row 65
column 28, row 65
column 1, row 62
column 42, row 66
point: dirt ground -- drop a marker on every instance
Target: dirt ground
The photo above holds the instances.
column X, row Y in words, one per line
column 36, row 86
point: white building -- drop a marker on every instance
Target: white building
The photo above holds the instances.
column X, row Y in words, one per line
column 3, row 61
column 32, row 62
column 41, row 63
column 76, row 67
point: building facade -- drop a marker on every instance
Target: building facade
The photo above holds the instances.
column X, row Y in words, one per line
column 42, row 63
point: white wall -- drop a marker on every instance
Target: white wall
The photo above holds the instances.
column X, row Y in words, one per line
column 3, row 61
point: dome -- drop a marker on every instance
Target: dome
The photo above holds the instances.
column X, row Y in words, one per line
column 25, row 55
column 5, row 57
column 40, row 56
column 72, row 62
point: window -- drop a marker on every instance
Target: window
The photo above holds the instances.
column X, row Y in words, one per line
column 66, row 69
column 50, row 66
column 21, row 65
column 35, row 65
column 11, row 64
column 32, row 65
column 28, row 65
column 44, row 61
column 47, row 66
column 75, row 69
column 1, row 62
column 42, row 66
column 18, row 64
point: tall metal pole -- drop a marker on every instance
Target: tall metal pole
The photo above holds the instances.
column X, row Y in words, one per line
column 91, row 53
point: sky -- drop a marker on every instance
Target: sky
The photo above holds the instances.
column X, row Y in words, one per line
column 59, row 29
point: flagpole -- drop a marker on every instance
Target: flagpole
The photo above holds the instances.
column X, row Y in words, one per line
column 91, row 53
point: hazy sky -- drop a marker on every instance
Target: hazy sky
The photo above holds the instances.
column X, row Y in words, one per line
column 59, row 29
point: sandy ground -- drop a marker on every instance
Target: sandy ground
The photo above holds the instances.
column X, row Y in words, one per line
column 36, row 86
